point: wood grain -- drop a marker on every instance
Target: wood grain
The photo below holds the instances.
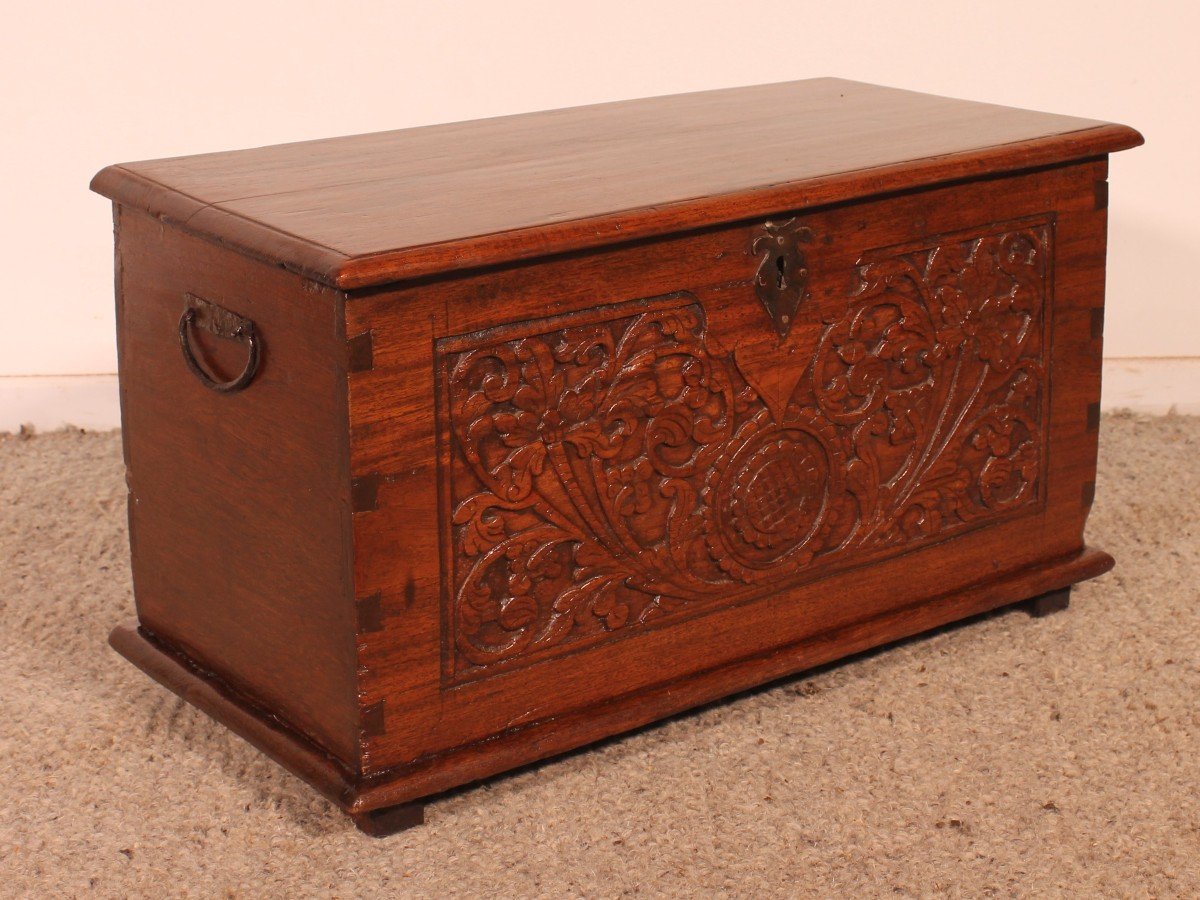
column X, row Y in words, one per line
column 540, row 739
column 370, row 209
column 396, row 442
column 239, row 503
column 567, row 422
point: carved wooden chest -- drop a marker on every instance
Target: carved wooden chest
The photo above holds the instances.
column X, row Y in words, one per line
column 453, row 448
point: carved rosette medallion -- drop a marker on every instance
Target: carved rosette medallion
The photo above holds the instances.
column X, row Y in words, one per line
column 770, row 496
column 778, row 494
column 607, row 475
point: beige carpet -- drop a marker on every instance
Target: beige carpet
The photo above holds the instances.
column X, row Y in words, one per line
column 1006, row 757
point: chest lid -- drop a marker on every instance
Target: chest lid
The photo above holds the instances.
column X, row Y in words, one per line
column 371, row 209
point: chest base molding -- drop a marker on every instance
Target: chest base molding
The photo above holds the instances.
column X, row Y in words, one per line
column 366, row 799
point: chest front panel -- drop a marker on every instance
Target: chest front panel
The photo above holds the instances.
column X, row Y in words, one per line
column 653, row 460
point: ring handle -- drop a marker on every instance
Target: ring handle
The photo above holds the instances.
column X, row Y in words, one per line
column 201, row 313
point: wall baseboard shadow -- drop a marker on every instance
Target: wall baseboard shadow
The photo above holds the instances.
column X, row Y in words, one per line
column 50, row 402
column 1152, row 385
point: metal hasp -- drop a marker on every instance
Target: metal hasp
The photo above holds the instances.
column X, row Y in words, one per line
column 782, row 271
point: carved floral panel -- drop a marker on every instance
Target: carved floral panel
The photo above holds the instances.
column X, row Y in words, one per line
column 607, row 475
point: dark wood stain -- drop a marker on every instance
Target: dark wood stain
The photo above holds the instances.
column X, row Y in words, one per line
column 303, row 551
column 236, row 501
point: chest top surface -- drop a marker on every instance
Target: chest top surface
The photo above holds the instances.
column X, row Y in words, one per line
column 375, row 208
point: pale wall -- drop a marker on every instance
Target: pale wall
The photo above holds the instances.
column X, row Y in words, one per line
column 88, row 84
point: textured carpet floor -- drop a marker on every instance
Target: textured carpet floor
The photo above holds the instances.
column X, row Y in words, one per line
column 1006, row 757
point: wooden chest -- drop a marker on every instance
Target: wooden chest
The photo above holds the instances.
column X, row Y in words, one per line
column 454, row 448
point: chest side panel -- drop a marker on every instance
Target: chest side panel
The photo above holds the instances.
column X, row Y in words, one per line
column 238, row 501
column 624, row 467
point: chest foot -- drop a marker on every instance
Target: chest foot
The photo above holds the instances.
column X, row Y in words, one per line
column 391, row 819
column 1048, row 603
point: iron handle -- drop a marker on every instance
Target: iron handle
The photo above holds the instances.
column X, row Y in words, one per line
column 203, row 314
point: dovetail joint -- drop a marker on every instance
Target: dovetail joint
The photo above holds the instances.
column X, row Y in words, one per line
column 360, row 352
column 370, row 613
column 364, row 493
column 372, row 720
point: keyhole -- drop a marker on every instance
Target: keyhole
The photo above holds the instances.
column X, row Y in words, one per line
column 781, row 273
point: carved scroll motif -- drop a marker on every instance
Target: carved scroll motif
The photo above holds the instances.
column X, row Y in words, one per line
column 606, row 476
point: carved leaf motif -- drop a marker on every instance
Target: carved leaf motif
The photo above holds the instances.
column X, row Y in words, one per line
column 610, row 475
